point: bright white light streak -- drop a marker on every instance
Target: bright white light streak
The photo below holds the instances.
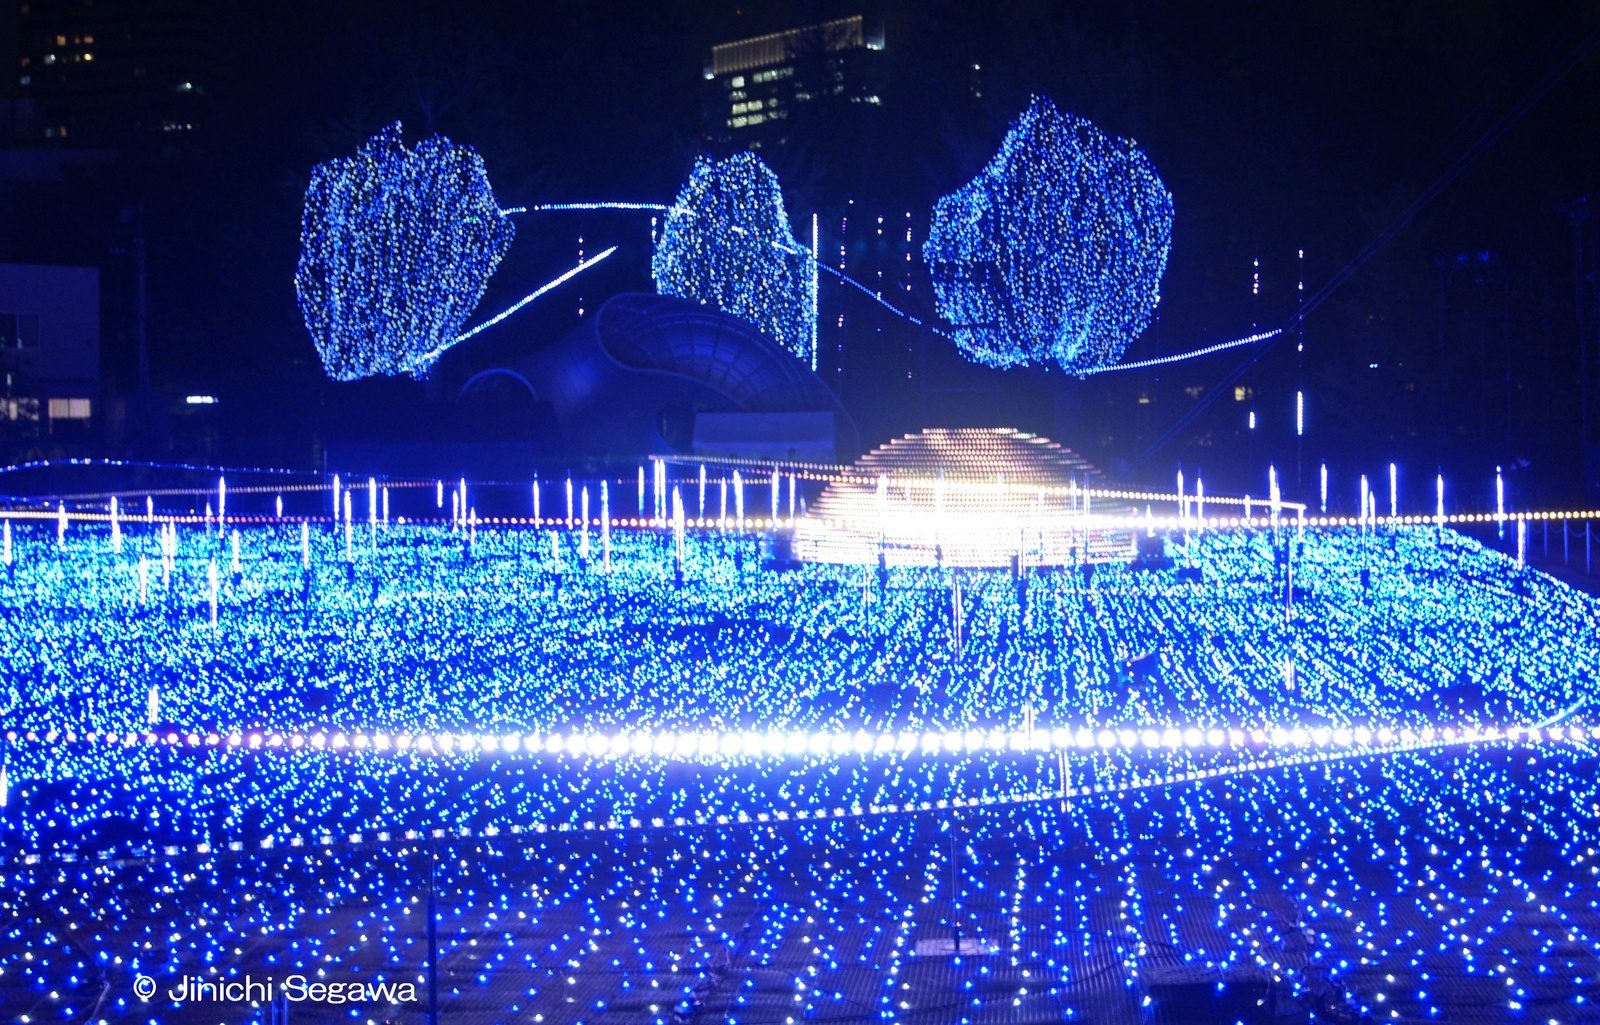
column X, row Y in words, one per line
column 514, row 307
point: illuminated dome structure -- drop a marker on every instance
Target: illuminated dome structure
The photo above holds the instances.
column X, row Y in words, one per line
column 967, row 497
column 648, row 373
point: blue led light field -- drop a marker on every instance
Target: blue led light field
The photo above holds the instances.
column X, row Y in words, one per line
column 770, row 794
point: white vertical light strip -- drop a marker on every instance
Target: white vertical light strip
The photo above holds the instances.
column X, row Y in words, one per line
column 815, row 299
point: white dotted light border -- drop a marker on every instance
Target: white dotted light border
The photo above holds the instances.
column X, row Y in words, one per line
column 701, row 746
column 1419, row 741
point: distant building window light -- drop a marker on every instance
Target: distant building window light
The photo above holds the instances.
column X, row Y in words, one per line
column 89, row 40
column 200, row 400
column 19, row 409
column 88, row 56
column 1242, row 393
column 69, row 409
column 49, row 58
column 773, row 75
column 27, row 79
column 763, row 51
column 19, row 330
column 738, row 81
column 61, row 40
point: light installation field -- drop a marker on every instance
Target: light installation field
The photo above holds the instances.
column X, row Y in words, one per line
column 773, row 795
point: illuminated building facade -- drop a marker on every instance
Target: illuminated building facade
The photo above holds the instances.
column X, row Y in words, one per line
column 758, row 85
column 100, row 73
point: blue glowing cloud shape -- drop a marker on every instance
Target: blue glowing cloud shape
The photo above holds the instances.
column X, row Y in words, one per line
column 1054, row 252
column 726, row 243
column 396, row 248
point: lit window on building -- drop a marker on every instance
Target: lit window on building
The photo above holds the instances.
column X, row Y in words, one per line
column 1242, row 393
column 69, row 409
column 19, row 409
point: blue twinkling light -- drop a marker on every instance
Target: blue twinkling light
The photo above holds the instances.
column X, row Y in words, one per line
column 397, row 246
column 726, row 243
column 1055, row 251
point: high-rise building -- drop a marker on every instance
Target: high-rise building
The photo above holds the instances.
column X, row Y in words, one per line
column 758, row 85
column 102, row 72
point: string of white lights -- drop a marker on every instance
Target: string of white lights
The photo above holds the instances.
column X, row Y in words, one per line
column 546, row 207
column 519, row 304
column 1294, row 753
column 1136, row 365
column 817, row 264
column 713, row 745
column 1179, row 357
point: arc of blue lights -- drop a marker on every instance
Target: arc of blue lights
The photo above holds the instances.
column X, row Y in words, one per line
column 514, row 307
column 1137, row 365
column 544, row 207
column 847, row 279
column 141, row 464
column 1177, row 357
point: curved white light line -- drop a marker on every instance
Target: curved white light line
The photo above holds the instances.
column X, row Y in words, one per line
column 1176, row 357
column 544, row 207
column 429, row 357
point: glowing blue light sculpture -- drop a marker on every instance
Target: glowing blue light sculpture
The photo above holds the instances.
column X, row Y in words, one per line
column 726, row 243
column 397, row 247
column 1055, row 251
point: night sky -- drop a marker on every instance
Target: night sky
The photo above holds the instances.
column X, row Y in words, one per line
column 1278, row 128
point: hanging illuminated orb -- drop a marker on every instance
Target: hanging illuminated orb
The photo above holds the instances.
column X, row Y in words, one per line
column 396, row 248
column 726, row 243
column 1054, row 252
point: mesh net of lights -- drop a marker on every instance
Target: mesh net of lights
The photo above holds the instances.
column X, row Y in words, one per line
column 1054, row 252
column 397, row 246
column 726, row 243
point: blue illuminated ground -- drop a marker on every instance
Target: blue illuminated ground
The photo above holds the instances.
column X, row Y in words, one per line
column 1094, row 872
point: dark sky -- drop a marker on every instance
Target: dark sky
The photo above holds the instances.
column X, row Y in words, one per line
column 1277, row 127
